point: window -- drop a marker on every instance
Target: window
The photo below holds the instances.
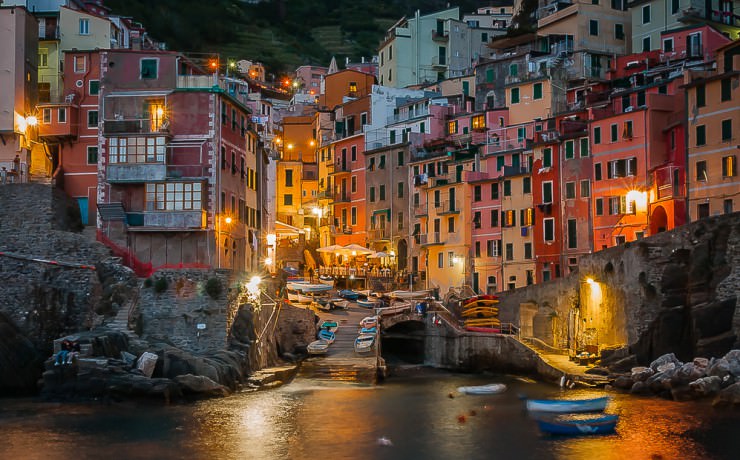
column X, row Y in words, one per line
column 729, row 166
column 701, row 135
column 62, row 115
column 92, row 119
column 667, row 45
column 46, row 116
column 93, row 87
column 701, row 99
column 489, row 76
column 477, row 219
column 527, row 217
column 80, row 64
column 148, row 69
column 451, row 258
column 440, row 260
column 288, row 177
column 354, row 153
column 92, row 155
column 400, row 190
column 507, row 188
column 514, row 95
column 84, row 26
column 615, row 205
column 526, row 185
column 493, row 248
column 593, row 27
column 622, row 168
column 43, row 57
column 478, row 122
column 597, row 171
column 701, row 170
column 549, row 227
column 494, row 191
column 619, row 31
column 451, row 225
column 527, row 250
column 452, row 127
column 371, row 164
column 494, row 218
column 353, row 216
column 513, row 70
column 381, row 192
column 477, row 249
column 508, row 218
column 175, row 196
column 352, row 87
column 674, row 6
column 585, row 188
column 627, row 132
column 646, row 44
column 727, row 206
column 570, row 190
column 619, row 240
column 509, row 251
column 646, row 14
column 614, row 132
column 599, row 206
column 726, row 90
column 353, row 184
column 584, row 147
column 288, row 199
column 44, row 90
column 702, row 210
column 400, row 157
column 569, row 153
column 597, row 135
column 537, row 91
column 546, row 157
column 381, row 163
column 572, row 234
column 372, row 194
column 476, row 193
column 547, row 192
column 726, row 130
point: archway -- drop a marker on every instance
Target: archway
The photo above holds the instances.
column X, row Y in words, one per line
column 402, row 254
column 658, row 220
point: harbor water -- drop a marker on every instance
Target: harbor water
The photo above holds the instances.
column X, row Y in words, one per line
column 419, row 415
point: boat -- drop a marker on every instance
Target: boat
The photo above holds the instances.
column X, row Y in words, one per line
column 330, row 325
column 349, row 294
column 369, row 321
column 567, row 425
column 480, row 312
column 326, row 335
column 490, row 389
column 338, row 303
column 480, row 303
column 369, row 330
column 318, row 347
column 367, row 303
column 364, row 343
column 567, row 405
column 304, row 287
column 312, row 297
column 483, row 322
column 485, row 330
column 480, row 297
column 410, row 295
column 326, row 279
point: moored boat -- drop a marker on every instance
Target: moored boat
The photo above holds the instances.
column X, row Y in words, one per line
column 326, row 279
column 364, row 343
column 367, row 303
column 338, row 303
column 326, row 335
column 349, row 294
column 490, row 389
column 369, row 330
column 318, row 347
column 567, row 425
column 330, row 325
column 369, row 321
column 567, row 405
column 409, row 295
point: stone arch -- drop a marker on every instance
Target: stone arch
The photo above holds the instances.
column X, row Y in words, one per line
column 658, row 220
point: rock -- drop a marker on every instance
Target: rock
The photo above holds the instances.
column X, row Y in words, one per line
column 733, row 358
column 706, row 386
column 640, row 374
column 20, row 362
column 146, row 363
column 719, row 367
column 201, row 386
column 597, row 371
column 623, row 382
column 730, row 396
column 660, row 381
column 622, row 365
column 128, row 358
column 701, row 363
column 687, row 373
column 639, row 388
column 664, row 360
column 682, row 393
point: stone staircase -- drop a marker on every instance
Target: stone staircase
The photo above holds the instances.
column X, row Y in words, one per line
column 119, row 323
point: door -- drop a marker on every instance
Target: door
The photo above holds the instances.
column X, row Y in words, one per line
column 82, row 203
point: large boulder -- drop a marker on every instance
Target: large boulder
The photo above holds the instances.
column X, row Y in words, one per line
column 706, row 386
column 733, row 359
column 201, row 386
column 20, row 363
column 730, row 396
column 665, row 362
column 640, row 374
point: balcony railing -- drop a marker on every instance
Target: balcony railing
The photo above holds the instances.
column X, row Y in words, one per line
column 408, row 115
column 379, row 234
column 420, row 211
column 437, row 62
column 136, row 172
column 182, row 220
column 341, row 198
column 438, row 36
column 134, row 126
column 447, row 207
column 514, row 170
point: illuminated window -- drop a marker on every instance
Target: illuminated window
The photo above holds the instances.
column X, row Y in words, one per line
column 177, row 196
column 80, row 64
column 155, row 111
column 452, row 127
column 136, row 150
column 479, row 122
column 508, row 218
column 352, row 87
column 729, row 166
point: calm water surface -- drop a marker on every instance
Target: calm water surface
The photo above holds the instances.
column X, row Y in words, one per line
column 332, row 420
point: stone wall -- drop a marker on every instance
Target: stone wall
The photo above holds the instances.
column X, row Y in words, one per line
column 673, row 292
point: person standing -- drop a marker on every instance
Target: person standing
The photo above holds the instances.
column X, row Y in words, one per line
column 4, row 175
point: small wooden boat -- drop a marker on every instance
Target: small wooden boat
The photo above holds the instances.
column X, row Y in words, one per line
column 485, row 330
column 369, row 330
column 367, row 303
column 318, row 347
column 480, row 303
column 369, row 321
column 567, row 425
column 349, row 294
column 338, row 303
column 480, row 312
column 567, row 405
column 482, row 322
column 330, row 325
column 326, row 279
column 410, row 295
column 490, row 389
column 364, row 343
column 327, row 335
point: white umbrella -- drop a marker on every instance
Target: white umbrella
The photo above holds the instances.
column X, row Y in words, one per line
column 378, row 255
column 359, row 250
column 332, row 248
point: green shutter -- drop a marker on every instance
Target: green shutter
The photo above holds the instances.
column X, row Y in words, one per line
column 568, row 150
column 538, row 90
column 547, row 157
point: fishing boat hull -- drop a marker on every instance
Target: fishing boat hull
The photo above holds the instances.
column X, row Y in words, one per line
column 567, row 405
column 410, row 295
column 603, row 424
column 318, row 347
column 367, row 303
column 349, row 294
column 330, row 325
column 369, row 321
column 485, row 330
column 490, row 389
column 326, row 335
column 364, row 343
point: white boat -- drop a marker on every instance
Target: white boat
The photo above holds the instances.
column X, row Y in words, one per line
column 364, row 343
column 318, row 347
column 312, row 297
column 369, row 303
column 490, row 389
column 326, row 279
column 409, row 295
column 567, row 405
column 369, row 321
column 302, row 286
column 292, row 295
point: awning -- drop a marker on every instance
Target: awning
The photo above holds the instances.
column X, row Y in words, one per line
column 285, row 229
column 386, row 211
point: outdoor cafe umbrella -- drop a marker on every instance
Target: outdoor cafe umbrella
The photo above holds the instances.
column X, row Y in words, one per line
column 357, row 249
column 333, row 248
column 378, row 255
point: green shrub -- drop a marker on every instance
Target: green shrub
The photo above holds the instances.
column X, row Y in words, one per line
column 213, row 287
column 160, row 285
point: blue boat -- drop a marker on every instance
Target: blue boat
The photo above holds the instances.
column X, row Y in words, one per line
column 565, row 425
column 369, row 330
column 368, row 303
column 326, row 335
column 567, row 405
column 349, row 294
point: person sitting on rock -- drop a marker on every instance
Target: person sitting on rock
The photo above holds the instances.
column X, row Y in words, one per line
column 63, row 352
column 74, row 351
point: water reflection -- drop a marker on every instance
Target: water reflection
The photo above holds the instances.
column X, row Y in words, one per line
column 310, row 419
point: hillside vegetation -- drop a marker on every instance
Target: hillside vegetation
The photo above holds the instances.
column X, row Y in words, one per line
column 283, row 34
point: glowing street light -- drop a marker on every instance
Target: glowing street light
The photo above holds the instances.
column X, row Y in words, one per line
column 227, row 219
column 32, row 120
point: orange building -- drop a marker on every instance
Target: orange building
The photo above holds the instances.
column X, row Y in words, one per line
column 345, row 83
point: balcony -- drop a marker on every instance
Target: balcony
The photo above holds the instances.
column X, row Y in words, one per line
column 447, row 207
column 341, row 168
column 421, row 210
column 667, row 183
column 341, row 198
column 496, row 145
column 439, row 62
column 440, row 36
column 517, row 170
column 166, row 220
column 430, row 239
column 135, row 172
column 379, row 234
column 197, row 81
column 134, row 126
column 407, row 115
column 340, row 230
column 56, row 129
column 545, row 137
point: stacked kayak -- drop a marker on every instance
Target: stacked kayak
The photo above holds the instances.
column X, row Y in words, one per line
column 480, row 313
